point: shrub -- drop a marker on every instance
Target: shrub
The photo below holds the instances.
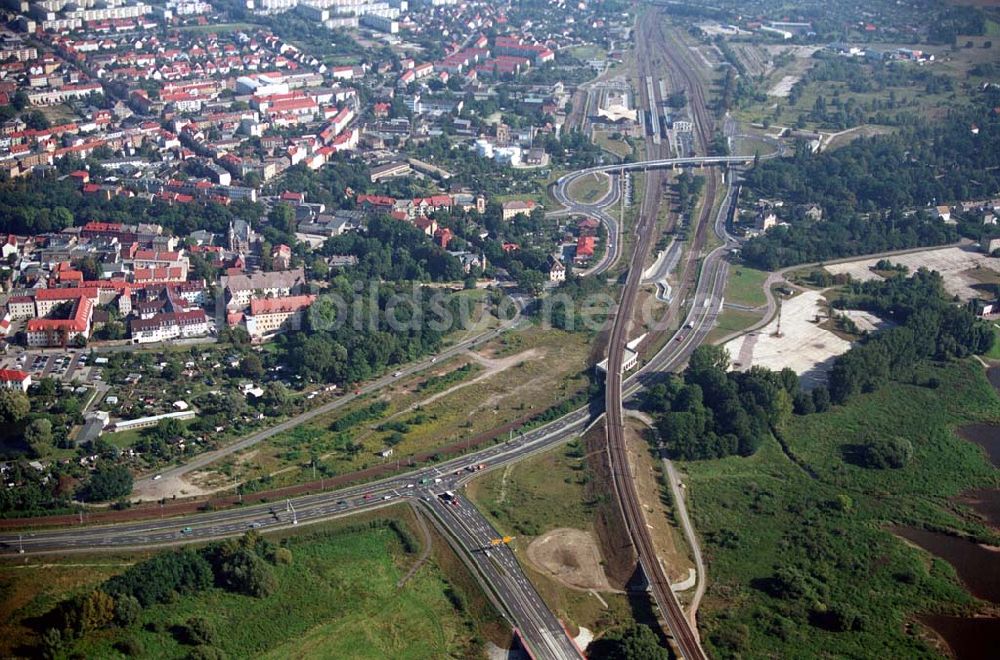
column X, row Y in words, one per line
column 881, row 452
column 283, row 556
column 198, row 631
column 131, row 647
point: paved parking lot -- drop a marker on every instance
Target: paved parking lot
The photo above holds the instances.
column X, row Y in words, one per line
column 803, row 346
column 67, row 366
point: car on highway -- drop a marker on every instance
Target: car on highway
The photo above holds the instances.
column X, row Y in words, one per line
column 256, row 525
column 157, row 477
column 679, row 338
column 397, row 374
column 186, row 530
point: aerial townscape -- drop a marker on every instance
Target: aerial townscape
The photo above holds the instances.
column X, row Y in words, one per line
column 535, row 329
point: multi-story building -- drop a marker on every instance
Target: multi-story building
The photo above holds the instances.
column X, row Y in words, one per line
column 170, row 325
column 276, row 315
column 15, row 379
column 44, row 332
column 240, row 289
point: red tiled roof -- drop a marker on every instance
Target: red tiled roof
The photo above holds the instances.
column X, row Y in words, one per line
column 65, row 294
column 13, row 375
column 280, row 305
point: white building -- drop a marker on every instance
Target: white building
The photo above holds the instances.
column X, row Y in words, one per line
column 164, row 327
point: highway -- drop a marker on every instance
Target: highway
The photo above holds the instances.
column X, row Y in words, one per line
column 510, row 588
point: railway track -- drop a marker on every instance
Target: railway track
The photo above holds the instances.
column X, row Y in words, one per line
column 661, row 60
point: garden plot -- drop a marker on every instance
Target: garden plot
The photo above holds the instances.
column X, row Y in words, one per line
column 965, row 270
column 803, row 346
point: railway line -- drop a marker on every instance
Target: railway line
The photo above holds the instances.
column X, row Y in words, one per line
column 651, row 32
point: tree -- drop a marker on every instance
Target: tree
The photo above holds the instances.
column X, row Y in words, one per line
column 93, row 611
column 14, row 406
column 108, row 482
column 282, row 218
column 251, row 367
column 530, row 281
column 637, row 642
column 127, row 610
column 240, row 569
column 52, row 643
column 171, row 370
column 38, row 435
column 821, row 399
column 168, row 429
column 36, row 120
column 277, row 398
column 708, row 357
column 20, row 100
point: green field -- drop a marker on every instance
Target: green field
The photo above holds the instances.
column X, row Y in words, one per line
column 619, row 148
column 730, row 321
column 588, row 52
column 746, row 286
column 422, row 416
column 518, row 500
column 589, row 189
column 338, row 599
column 822, row 520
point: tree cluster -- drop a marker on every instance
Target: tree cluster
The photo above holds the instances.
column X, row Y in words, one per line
column 391, row 250
column 929, row 327
column 107, row 482
column 350, row 342
column 35, row 205
column 867, row 188
column 636, row 642
column 711, row 412
column 243, row 565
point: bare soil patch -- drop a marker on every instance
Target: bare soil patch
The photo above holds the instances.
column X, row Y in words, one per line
column 571, row 556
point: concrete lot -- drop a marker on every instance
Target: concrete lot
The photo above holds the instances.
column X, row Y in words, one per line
column 954, row 264
column 804, row 346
